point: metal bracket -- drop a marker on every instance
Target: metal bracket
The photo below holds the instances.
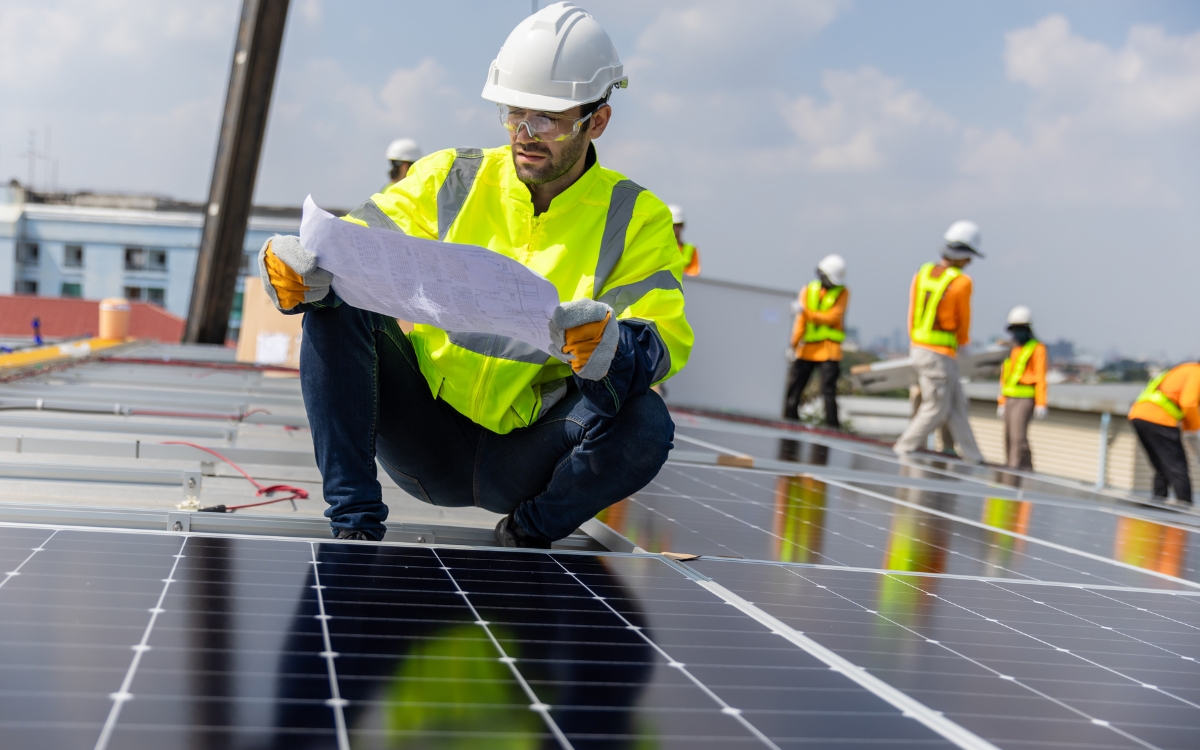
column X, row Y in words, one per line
column 179, row 521
column 420, row 536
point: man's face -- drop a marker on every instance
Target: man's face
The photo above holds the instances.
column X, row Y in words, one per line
column 539, row 162
column 679, row 233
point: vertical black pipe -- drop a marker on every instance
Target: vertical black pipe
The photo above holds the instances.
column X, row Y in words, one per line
column 247, row 101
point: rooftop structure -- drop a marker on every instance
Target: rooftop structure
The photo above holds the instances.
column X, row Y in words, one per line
column 773, row 587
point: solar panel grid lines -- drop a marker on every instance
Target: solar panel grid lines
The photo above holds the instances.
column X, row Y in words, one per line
column 1116, row 631
column 675, row 664
column 335, row 702
column 853, row 507
column 8, row 575
column 1127, row 705
column 122, row 695
column 542, row 709
column 908, row 705
column 737, row 476
column 1025, row 537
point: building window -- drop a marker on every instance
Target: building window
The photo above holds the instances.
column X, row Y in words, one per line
column 73, row 256
column 156, row 296
column 142, row 259
column 27, row 253
column 133, row 293
column 72, row 290
column 24, row 286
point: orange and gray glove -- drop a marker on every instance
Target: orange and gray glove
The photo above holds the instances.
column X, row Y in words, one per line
column 585, row 334
column 289, row 273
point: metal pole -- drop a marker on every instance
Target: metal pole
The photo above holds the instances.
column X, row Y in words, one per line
column 247, row 101
column 1102, row 459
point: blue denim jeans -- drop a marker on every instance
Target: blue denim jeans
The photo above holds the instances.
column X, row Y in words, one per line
column 366, row 398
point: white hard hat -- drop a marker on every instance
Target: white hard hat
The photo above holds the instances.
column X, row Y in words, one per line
column 676, row 213
column 558, row 58
column 962, row 241
column 1020, row 316
column 403, row 149
column 834, row 268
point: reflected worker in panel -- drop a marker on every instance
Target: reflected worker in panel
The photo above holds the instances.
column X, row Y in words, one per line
column 1022, row 389
column 817, row 338
column 462, row 418
column 416, row 669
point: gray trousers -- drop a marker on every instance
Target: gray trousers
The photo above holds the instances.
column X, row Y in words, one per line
column 1017, row 413
column 943, row 402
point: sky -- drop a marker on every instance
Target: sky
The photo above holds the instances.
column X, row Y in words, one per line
column 1069, row 130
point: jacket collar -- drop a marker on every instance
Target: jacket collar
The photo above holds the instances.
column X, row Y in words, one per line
column 518, row 193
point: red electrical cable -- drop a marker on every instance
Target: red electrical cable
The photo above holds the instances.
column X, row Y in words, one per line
column 297, row 493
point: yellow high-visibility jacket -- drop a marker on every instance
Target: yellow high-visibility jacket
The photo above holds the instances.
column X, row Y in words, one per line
column 604, row 237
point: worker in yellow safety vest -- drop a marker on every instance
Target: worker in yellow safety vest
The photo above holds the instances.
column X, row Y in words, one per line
column 691, row 256
column 461, row 418
column 1022, row 389
column 1167, row 412
column 402, row 153
column 939, row 317
column 817, row 337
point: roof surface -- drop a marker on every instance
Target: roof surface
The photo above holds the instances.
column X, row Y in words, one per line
column 821, row 593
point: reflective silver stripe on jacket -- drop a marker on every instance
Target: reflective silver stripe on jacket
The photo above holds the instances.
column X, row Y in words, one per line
column 500, row 347
column 552, row 393
column 457, row 186
column 616, row 224
column 373, row 216
column 619, row 298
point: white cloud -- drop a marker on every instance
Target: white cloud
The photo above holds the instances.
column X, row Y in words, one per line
column 865, row 111
column 717, row 39
column 1098, row 121
column 42, row 40
column 1151, row 82
column 310, row 11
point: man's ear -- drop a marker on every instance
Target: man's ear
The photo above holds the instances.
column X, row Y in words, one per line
column 599, row 121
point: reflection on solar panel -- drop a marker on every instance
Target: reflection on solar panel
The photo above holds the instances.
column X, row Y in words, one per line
column 822, row 594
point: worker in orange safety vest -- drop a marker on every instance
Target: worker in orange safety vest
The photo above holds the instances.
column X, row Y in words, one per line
column 1166, row 413
column 1022, row 389
column 817, row 338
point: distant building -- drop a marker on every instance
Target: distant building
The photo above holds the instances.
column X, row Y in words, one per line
column 95, row 245
column 1061, row 351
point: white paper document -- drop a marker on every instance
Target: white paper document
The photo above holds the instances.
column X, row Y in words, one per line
column 455, row 287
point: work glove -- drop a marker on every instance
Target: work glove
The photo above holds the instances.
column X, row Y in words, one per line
column 790, row 354
column 584, row 334
column 1000, row 411
column 1040, row 412
column 289, row 273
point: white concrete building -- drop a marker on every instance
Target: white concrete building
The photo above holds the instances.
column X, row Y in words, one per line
column 95, row 245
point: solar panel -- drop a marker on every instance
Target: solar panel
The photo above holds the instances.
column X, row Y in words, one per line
column 842, row 598
column 157, row 640
column 1018, row 665
column 766, row 517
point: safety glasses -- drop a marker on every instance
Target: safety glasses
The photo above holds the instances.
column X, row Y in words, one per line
column 540, row 125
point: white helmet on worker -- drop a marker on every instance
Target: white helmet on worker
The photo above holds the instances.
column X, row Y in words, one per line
column 962, row 241
column 403, row 149
column 1020, row 316
column 556, row 59
column 834, row 268
column 676, row 213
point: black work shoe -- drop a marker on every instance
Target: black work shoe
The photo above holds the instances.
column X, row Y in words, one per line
column 355, row 535
column 510, row 534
